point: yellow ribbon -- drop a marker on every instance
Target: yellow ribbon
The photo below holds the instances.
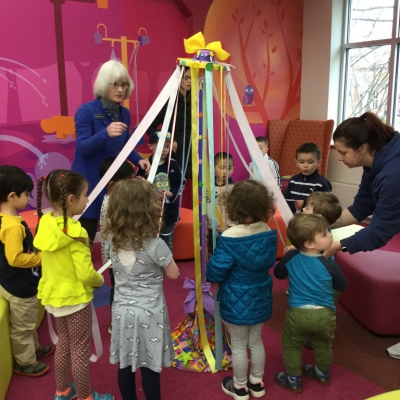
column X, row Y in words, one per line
column 197, row 42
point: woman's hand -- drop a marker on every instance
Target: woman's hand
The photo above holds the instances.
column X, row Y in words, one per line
column 144, row 164
column 335, row 247
column 116, row 129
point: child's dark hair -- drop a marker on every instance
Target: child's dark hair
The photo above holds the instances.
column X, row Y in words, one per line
column 58, row 184
column 13, row 179
column 327, row 204
column 262, row 139
column 249, row 201
column 309, row 148
column 133, row 214
column 368, row 128
column 302, row 228
column 224, row 156
column 125, row 171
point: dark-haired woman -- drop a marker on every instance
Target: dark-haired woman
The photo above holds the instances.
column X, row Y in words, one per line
column 183, row 128
column 367, row 142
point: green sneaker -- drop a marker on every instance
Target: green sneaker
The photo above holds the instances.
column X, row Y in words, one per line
column 33, row 370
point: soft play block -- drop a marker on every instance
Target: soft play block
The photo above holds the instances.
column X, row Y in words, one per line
column 183, row 236
column 6, row 359
column 372, row 296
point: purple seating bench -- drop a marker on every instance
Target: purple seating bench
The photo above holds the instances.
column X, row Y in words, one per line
column 373, row 294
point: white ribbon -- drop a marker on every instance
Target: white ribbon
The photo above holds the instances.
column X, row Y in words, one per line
column 98, row 345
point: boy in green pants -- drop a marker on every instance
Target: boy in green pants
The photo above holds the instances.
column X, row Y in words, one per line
column 312, row 279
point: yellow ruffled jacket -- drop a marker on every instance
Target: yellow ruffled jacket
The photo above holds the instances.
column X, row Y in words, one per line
column 68, row 276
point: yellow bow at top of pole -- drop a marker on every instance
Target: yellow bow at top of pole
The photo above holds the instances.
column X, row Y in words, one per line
column 197, row 44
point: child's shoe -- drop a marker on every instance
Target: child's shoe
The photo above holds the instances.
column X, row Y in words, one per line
column 257, row 389
column 310, row 371
column 283, row 380
column 97, row 396
column 230, row 390
column 33, row 370
column 44, row 351
column 68, row 396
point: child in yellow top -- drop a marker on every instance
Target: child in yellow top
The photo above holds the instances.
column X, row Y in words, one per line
column 20, row 272
column 66, row 286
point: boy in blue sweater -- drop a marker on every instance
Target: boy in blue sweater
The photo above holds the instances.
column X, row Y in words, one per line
column 312, row 279
column 168, row 182
column 308, row 159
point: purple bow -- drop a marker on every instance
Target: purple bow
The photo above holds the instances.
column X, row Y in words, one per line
column 189, row 305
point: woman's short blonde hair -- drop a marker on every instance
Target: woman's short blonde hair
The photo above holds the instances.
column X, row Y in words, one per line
column 110, row 72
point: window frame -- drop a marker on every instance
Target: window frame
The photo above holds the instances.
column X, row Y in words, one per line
column 394, row 60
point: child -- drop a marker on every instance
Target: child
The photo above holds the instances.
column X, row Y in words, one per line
column 66, row 287
column 125, row 171
column 308, row 159
column 324, row 203
column 240, row 264
column 168, row 183
column 141, row 335
column 20, row 273
column 263, row 144
column 224, row 166
column 312, row 279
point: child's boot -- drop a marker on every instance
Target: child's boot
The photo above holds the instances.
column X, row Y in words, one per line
column 312, row 372
column 293, row 384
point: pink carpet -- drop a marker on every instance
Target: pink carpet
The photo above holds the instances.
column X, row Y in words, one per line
column 197, row 386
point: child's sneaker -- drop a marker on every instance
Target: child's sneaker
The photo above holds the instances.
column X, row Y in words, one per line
column 44, row 351
column 283, row 380
column 33, row 370
column 256, row 389
column 69, row 396
column 310, row 371
column 230, row 390
column 97, row 396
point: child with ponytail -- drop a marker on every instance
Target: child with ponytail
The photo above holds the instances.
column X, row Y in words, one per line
column 68, row 280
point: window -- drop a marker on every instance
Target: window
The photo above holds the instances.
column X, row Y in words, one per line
column 371, row 60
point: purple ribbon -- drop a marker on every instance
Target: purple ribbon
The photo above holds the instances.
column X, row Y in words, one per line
column 189, row 305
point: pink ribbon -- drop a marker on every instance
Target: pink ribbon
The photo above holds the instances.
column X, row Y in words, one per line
column 189, row 305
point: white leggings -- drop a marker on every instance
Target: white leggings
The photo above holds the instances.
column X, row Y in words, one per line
column 243, row 337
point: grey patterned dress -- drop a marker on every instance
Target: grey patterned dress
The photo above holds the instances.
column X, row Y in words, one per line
column 141, row 335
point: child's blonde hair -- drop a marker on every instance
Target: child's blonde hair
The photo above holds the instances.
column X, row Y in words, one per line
column 133, row 214
column 249, row 201
column 327, row 204
column 303, row 228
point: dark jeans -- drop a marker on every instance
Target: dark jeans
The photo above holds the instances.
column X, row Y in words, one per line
column 166, row 235
column 90, row 226
column 150, row 383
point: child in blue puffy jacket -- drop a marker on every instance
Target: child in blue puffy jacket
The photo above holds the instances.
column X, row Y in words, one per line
column 240, row 264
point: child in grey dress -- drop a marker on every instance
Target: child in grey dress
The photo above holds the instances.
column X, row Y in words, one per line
column 141, row 335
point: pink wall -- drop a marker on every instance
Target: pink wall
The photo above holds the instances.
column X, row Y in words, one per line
column 31, row 74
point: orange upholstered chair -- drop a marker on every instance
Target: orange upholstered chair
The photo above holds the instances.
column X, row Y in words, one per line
column 286, row 136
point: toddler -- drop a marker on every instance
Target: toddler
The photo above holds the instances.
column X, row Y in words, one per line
column 240, row 264
column 312, row 279
column 141, row 335
column 68, row 280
